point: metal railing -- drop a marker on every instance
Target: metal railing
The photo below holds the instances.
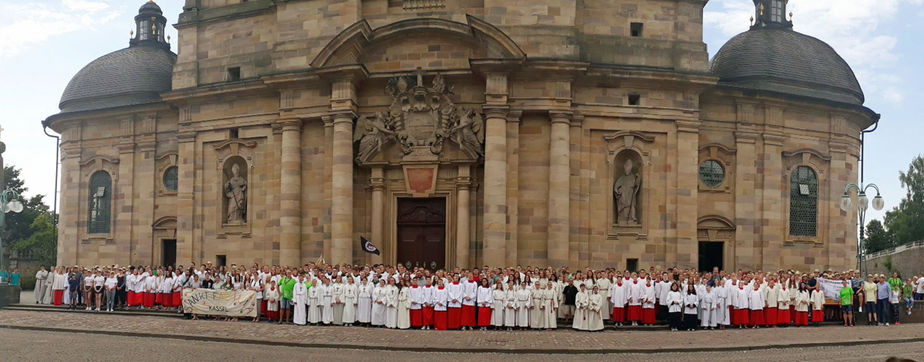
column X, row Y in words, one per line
column 895, row 249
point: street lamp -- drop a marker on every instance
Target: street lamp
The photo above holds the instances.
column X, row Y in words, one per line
column 862, row 206
column 9, row 202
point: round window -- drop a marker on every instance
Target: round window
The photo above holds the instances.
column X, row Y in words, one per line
column 170, row 179
column 712, row 173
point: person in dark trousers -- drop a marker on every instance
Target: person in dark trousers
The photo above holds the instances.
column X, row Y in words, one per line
column 121, row 294
column 570, row 294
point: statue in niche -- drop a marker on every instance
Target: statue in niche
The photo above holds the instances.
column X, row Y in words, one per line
column 468, row 132
column 371, row 134
column 625, row 192
column 236, row 193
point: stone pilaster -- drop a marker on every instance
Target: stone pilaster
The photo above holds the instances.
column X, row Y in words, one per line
column 68, row 225
column 495, row 187
column 687, row 193
column 772, row 225
column 377, row 181
column 290, row 185
column 463, row 241
column 185, row 208
column 745, row 200
column 123, row 199
column 558, row 242
column 513, row 181
column 342, row 190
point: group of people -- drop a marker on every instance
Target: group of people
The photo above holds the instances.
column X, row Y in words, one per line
column 495, row 298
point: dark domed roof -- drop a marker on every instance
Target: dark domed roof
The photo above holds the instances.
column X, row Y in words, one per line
column 784, row 61
column 148, row 7
column 134, row 75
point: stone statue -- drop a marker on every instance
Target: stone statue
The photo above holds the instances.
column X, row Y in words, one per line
column 625, row 192
column 469, row 132
column 371, row 134
column 236, row 193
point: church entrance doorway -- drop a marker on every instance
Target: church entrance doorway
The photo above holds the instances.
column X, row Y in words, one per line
column 711, row 254
column 168, row 253
column 422, row 232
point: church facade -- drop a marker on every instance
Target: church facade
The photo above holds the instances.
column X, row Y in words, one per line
column 461, row 133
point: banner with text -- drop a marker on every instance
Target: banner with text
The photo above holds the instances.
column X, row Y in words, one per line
column 831, row 288
column 231, row 303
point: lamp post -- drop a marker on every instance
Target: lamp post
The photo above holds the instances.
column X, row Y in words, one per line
column 862, row 206
column 9, row 202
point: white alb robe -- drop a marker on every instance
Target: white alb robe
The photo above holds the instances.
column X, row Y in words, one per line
column 300, row 299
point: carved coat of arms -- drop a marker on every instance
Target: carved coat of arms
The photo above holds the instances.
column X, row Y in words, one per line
column 420, row 119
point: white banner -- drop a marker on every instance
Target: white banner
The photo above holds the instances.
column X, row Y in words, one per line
column 231, row 303
column 831, row 287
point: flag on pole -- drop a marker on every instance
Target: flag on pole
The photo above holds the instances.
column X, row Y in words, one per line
column 368, row 246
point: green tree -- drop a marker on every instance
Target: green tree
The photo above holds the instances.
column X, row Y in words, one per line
column 41, row 244
column 21, row 227
column 877, row 238
column 904, row 222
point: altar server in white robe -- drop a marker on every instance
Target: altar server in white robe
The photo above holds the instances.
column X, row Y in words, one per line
column 364, row 301
column 524, row 301
column 39, row 290
column 337, row 301
column 707, row 302
column 552, row 303
column 349, row 302
column 512, row 309
column 595, row 310
column 720, row 313
column 327, row 298
column 619, row 297
column 537, row 308
column 391, row 304
column 604, row 284
column 48, row 295
column 314, row 304
column 581, row 305
column 379, row 294
column 403, row 320
column 300, row 299
column 500, row 303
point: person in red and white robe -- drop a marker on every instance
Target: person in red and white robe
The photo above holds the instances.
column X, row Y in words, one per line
column 440, row 301
column 485, row 300
column 456, row 293
column 469, row 300
column 756, row 303
column 771, row 296
column 619, row 296
column 415, row 293
column 636, row 294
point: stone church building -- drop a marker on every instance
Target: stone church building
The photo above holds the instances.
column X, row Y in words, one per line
column 461, row 133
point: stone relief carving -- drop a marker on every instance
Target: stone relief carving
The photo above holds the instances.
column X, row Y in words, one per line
column 235, row 191
column 625, row 194
column 420, row 119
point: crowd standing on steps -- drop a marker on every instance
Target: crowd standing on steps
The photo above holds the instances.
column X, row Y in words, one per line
column 515, row 298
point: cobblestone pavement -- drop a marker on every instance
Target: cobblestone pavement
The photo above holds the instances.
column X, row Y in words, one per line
column 559, row 341
column 19, row 345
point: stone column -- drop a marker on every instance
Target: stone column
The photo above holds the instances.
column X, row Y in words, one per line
column 463, row 241
column 495, row 187
column 290, row 185
column 342, row 190
column 687, row 173
column 513, row 174
column 558, row 242
column 378, row 211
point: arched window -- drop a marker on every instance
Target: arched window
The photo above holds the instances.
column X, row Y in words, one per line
column 170, row 179
column 803, row 202
column 100, row 203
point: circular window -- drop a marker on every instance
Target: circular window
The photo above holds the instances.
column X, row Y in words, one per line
column 712, row 173
column 170, row 179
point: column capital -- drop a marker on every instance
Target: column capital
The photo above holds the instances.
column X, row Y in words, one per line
column 493, row 111
column 340, row 117
column 184, row 137
column 290, row 124
column 560, row 116
column 771, row 139
column 687, row 126
column 514, row 116
column 745, row 137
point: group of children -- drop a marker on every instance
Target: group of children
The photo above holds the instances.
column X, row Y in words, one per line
column 511, row 298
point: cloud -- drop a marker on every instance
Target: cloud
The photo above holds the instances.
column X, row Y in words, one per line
column 28, row 23
column 849, row 26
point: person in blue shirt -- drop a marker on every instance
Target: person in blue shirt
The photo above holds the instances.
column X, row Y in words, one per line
column 4, row 276
column 15, row 278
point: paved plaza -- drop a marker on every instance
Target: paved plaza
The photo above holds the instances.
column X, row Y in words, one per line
column 558, row 342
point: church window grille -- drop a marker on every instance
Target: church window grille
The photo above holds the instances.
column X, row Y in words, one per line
column 803, row 202
column 100, row 203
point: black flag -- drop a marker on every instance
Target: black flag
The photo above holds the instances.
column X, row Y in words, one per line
column 368, row 246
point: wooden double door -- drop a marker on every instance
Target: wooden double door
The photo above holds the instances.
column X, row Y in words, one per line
column 422, row 232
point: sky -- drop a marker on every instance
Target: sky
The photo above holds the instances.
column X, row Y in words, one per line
column 43, row 43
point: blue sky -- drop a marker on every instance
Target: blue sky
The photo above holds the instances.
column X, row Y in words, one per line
column 43, row 43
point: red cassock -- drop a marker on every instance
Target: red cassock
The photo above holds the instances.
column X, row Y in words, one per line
column 440, row 320
column 741, row 316
column 648, row 315
column 801, row 318
column 416, row 318
column 454, row 319
column 484, row 316
column 468, row 315
column 130, row 300
column 792, row 313
column 178, row 300
column 783, row 318
column 59, row 297
column 771, row 315
column 619, row 315
column 428, row 316
column 148, row 299
column 732, row 316
column 159, row 298
column 635, row 313
column 818, row 316
column 757, row 318
column 263, row 308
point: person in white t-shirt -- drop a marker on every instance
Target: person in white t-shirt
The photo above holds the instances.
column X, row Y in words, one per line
column 111, row 282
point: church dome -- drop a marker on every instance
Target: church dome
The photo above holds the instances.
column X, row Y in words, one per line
column 130, row 76
column 772, row 57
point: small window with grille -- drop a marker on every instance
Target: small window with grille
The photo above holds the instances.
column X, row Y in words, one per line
column 803, row 203
column 99, row 203
column 712, row 173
